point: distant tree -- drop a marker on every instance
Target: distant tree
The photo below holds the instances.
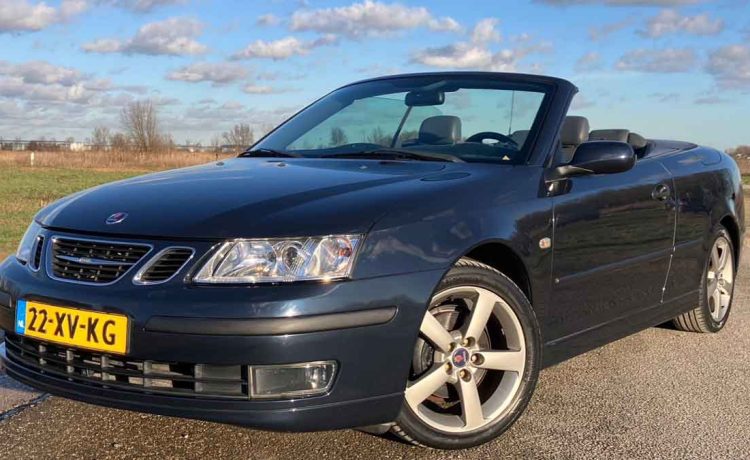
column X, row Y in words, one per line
column 377, row 136
column 101, row 136
column 239, row 137
column 119, row 141
column 140, row 121
column 215, row 143
column 338, row 137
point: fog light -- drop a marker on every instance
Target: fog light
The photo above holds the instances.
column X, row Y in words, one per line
column 288, row 381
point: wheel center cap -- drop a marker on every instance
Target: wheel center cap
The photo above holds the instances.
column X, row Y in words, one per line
column 460, row 357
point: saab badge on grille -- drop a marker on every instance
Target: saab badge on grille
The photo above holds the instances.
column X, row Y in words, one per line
column 116, row 218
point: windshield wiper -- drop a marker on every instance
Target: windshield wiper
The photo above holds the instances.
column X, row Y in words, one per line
column 397, row 154
column 268, row 153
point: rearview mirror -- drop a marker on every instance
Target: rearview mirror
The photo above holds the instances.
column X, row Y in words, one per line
column 598, row 157
column 424, row 98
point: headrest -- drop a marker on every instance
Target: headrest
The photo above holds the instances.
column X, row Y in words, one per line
column 442, row 129
column 618, row 135
column 637, row 141
column 520, row 136
column 575, row 131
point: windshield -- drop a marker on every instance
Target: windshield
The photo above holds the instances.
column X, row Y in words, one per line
column 467, row 119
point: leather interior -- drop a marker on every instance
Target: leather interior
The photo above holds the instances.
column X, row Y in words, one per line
column 618, row 135
column 520, row 136
column 440, row 130
column 575, row 131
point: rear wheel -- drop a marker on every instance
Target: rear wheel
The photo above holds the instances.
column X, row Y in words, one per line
column 716, row 291
column 475, row 364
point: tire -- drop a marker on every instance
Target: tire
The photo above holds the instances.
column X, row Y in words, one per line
column 492, row 362
column 711, row 315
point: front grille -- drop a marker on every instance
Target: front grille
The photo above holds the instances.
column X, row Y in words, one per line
column 164, row 265
column 106, row 371
column 96, row 262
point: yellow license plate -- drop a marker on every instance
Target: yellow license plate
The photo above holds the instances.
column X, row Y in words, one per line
column 105, row 332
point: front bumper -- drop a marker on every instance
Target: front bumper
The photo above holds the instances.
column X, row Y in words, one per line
column 247, row 326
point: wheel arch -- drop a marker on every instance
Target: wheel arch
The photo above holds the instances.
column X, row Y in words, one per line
column 503, row 258
column 730, row 223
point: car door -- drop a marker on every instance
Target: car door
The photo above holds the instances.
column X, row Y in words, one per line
column 613, row 235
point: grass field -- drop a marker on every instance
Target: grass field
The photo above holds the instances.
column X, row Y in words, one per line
column 23, row 191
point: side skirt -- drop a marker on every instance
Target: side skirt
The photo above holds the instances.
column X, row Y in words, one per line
column 563, row 348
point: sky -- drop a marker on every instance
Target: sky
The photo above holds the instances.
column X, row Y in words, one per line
column 677, row 69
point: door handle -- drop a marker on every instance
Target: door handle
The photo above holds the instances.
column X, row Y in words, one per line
column 661, row 192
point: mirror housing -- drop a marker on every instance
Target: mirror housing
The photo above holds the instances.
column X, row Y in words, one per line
column 597, row 157
column 424, row 98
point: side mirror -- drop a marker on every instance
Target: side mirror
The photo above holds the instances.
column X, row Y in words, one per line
column 598, row 157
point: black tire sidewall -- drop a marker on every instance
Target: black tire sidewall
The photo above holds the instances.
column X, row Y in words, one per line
column 487, row 278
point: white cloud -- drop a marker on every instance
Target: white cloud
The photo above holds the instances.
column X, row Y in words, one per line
column 217, row 73
column 268, row 20
column 588, row 62
column 43, row 81
column 257, row 89
column 458, row 56
column 670, row 60
column 368, row 18
column 730, row 66
column 283, row 48
column 477, row 53
column 145, row 6
column 22, row 16
column 173, row 36
column 486, row 31
column 670, row 21
column 103, row 45
column 597, row 33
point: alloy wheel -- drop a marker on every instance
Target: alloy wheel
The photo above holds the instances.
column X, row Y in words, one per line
column 720, row 276
column 469, row 362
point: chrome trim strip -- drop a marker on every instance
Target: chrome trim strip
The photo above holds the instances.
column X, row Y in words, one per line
column 39, row 239
column 137, row 278
column 50, row 255
column 90, row 261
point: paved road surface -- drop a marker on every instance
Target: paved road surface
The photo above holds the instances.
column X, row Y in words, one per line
column 657, row 394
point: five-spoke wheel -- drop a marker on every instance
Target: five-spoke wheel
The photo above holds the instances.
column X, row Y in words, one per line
column 474, row 364
column 716, row 290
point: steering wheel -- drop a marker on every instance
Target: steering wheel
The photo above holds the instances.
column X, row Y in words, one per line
column 481, row 137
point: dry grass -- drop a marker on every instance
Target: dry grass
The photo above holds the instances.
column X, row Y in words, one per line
column 744, row 164
column 118, row 160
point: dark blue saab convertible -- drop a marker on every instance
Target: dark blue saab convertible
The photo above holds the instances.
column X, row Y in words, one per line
column 405, row 253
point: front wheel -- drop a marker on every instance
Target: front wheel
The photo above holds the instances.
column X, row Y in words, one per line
column 475, row 363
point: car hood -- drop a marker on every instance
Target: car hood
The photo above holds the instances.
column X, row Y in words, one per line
column 246, row 198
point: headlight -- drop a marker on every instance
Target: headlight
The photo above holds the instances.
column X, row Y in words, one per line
column 23, row 254
column 281, row 260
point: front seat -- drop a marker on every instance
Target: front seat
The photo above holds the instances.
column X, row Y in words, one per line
column 575, row 131
column 440, row 130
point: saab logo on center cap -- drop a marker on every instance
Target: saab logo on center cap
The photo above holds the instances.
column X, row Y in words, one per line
column 460, row 357
column 116, row 218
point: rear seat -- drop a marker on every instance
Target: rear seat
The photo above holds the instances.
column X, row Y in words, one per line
column 638, row 142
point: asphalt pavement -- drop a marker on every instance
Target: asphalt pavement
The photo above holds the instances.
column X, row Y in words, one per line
column 658, row 394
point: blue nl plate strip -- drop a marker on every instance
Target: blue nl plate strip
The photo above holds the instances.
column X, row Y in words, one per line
column 21, row 317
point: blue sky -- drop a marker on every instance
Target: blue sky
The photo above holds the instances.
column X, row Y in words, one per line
column 664, row 68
